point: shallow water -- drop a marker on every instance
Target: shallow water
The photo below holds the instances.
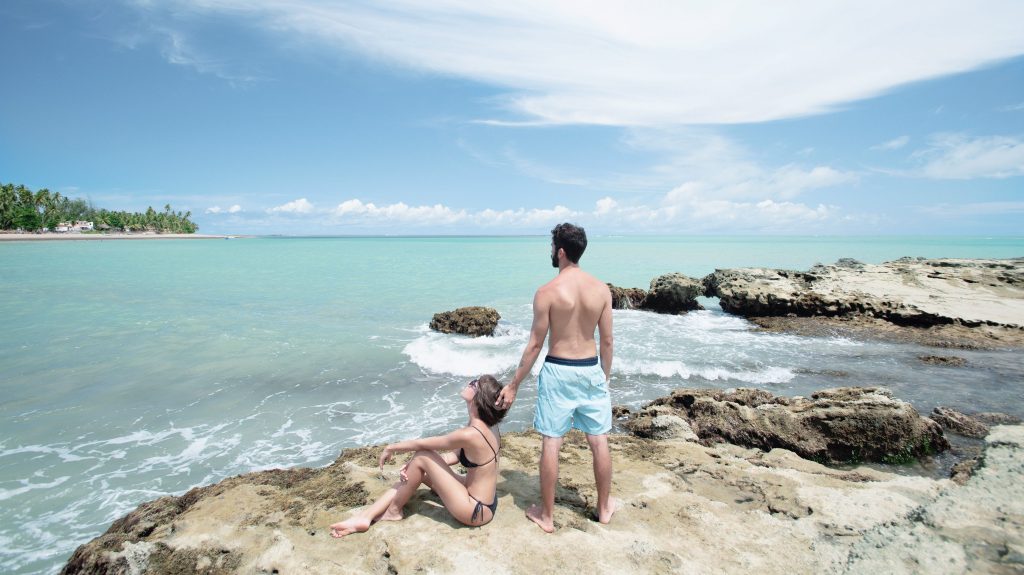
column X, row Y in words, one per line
column 131, row 370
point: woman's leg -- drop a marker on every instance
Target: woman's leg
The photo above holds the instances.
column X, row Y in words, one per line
column 444, row 481
column 362, row 520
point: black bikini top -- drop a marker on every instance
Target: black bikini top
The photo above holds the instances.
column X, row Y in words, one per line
column 465, row 460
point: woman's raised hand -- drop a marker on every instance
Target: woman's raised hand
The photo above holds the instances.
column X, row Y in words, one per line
column 385, row 456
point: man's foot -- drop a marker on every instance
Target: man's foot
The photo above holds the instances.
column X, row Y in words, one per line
column 535, row 514
column 605, row 515
column 391, row 515
column 355, row 524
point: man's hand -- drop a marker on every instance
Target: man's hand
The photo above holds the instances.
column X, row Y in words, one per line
column 506, row 397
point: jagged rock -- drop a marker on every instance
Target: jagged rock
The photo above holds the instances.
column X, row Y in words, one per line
column 953, row 421
column 996, row 418
column 906, row 292
column 848, row 424
column 661, row 422
column 627, row 298
column 475, row 321
column 137, row 542
column 673, row 293
column 963, row 471
column 951, row 361
column 620, row 412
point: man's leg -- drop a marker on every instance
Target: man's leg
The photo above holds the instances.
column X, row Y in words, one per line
column 602, row 476
column 545, row 515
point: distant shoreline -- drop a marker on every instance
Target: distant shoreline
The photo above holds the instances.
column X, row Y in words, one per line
column 79, row 237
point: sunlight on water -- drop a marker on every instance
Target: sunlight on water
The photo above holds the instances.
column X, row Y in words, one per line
column 183, row 363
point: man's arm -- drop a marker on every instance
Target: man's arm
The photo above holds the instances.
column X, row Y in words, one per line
column 538, row 333
column 604, row 330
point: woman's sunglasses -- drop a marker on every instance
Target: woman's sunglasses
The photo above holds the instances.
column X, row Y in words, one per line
column 475, row 384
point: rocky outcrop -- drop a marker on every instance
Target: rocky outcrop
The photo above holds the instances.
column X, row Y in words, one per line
column 909, row 292
column 673, row 293
column 849, row 424
column 977, row 528
column 683, row 503
column 955, row 422
column 627, row 298
column 144, row 540
column 475, row 321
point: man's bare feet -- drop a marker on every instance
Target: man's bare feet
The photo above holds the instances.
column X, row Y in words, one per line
column 605, row 515
column 354, row 524
column 535, row 514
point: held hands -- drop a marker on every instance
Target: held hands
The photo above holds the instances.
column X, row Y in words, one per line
column 506, row 397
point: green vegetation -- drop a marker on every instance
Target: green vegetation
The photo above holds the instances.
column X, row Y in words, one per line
column 21, row 208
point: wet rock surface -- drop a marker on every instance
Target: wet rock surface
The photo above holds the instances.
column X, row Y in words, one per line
column 673, row 293
column 475, row 321
column 627, row 298
column 955, row 422
column 909, row 292
column 842, row 425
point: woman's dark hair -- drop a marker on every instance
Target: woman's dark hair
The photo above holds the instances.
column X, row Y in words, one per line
column 572, row 239
column 487, row 390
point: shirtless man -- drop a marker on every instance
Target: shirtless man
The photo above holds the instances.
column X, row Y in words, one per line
column 572, row 390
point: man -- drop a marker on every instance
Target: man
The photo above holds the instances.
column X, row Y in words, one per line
column 572, row 390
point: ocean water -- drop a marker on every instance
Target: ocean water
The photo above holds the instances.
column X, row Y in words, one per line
column 132, row 370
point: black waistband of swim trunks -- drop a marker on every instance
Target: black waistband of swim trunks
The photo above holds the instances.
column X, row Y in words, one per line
column 571, row 362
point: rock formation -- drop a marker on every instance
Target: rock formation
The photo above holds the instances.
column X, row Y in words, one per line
column 909, row 291
column 475, row 321
column 627, row 298
column 686, row 507
column 955, row 422
column 673, row 293
column 849, row 424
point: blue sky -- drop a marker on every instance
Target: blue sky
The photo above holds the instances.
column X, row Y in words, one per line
column 458, row 117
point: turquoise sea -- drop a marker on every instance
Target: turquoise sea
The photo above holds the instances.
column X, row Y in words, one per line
column 135, row 369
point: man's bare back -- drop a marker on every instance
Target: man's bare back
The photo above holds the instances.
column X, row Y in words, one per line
column 575, row 302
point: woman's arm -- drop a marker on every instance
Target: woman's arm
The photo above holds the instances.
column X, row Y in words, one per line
column 453, row 440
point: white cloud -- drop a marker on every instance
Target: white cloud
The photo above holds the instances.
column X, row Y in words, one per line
column 961, row 157
column 893, row 144
column 436, row 214
column 219, row 210
column 1012, row 108
column 651, row 62
column 299, row 206
column 605, row 206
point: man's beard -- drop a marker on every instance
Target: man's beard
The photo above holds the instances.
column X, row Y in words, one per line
column 554, row 260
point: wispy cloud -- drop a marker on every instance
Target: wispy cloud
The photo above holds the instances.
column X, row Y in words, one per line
column 1012, row 108
column 946, row 210
column 962, row 157
column 650, row 63
column 219, row 210
column 894, row 144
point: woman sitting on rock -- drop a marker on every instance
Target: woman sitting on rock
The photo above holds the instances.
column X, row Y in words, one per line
column 475, row 446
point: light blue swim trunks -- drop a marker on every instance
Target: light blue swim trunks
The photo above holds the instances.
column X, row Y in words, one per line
column 572, row 393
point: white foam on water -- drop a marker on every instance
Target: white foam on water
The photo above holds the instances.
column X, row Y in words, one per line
column 467, row 356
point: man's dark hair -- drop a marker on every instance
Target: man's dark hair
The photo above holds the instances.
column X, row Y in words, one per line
column 571, row 238
column 487, row 392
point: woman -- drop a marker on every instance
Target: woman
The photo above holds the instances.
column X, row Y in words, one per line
column 472, row 499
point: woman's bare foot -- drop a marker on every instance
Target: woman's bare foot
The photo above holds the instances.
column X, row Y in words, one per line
column 391, row 515
column 605, row 515
column 355, row 524
column 535, row 514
